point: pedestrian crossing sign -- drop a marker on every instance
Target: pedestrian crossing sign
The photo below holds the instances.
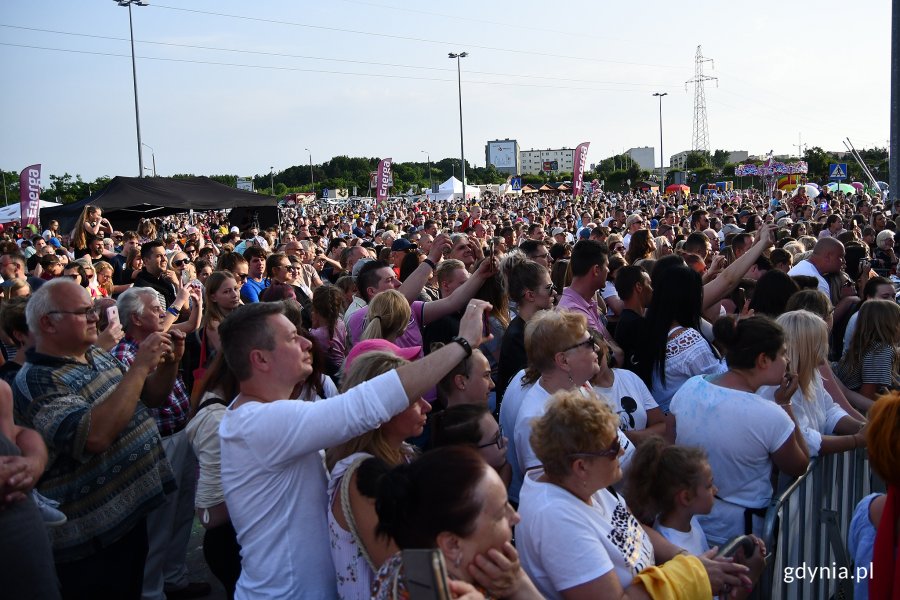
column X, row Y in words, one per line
column 837, row 171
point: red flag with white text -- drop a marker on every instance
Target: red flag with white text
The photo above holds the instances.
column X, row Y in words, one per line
column 578, row 175
column 30, row 195
column 383, row 181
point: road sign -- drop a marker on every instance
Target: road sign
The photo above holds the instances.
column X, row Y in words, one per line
column 516, row 183
column 325, row 192
column 837, row 171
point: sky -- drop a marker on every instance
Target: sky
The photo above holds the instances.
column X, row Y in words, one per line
column 236, row 87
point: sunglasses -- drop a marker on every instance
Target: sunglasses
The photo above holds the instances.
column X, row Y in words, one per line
column 588, row 343
column 180, row 263
column 610, row 452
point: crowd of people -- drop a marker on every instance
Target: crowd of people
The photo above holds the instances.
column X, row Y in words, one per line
column 623, row 381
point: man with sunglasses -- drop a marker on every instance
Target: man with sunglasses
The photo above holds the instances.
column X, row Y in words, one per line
column 107, row 467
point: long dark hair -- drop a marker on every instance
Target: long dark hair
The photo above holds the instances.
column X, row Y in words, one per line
column 677, row 297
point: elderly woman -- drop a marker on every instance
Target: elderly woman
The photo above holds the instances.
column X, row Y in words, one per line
column 450, row 499
column 577, row 538
column 562, row 355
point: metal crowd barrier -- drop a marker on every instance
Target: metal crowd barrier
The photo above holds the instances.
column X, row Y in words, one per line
column 806, row 529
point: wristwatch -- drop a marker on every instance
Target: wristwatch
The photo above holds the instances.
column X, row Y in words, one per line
column 464, row 343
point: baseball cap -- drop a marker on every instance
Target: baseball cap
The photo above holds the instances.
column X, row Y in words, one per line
column 376, row 345
column 585, row 233
column 190, row 230
column 402, row 244
column 557, row 231
column 55, row 242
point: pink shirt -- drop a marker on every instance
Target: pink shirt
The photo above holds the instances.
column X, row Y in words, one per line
column 573, row 301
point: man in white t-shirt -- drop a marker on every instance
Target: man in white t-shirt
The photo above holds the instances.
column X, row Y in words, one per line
column 272, row 474
column 827, row 257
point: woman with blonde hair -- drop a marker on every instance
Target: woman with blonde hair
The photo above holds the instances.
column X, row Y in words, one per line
column 562, row 355
column 872, row 362
column 356, row 550
column 104, row 273
column 387, row 317
column 663, row 247
column 223, row 295
column 826, row 427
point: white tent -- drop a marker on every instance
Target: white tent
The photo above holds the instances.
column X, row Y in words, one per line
column 452, row 188
column 13, row 212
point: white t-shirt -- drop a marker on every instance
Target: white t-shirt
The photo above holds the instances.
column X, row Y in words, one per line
column 739, row 431
column 533, row 406
column 804, row 267
column 509, row 412
column 816, row 417
column 563, row 542
column 203, row 433
column 629, row 398
column 694, row 541
column 274, row 483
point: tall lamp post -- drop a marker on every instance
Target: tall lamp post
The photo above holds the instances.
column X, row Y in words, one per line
column 311, row 179
column 430, row 182
column 272, row 179
column 662, row 157
column 137, row 113
column 462, row 149
column 153, row 156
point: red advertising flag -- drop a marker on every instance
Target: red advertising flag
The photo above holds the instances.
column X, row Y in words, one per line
column 383, row 182
column 578, row 175
column 30, row 195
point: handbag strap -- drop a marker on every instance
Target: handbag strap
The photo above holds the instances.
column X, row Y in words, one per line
column 348, row 513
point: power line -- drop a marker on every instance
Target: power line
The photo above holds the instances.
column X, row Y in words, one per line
column 321, row 71
column 410, row 38
column 324, row 58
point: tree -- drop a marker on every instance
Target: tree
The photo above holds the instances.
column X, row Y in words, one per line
column 697, row 159
column 720, row 159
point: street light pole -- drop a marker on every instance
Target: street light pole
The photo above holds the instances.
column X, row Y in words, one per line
column 430, row 182
column 462, row 149
column 662, row 157
column 311, row 178
column 153, row 155
column 272, row 179
column 137, row 112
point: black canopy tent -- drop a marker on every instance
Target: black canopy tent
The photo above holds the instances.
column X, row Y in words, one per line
column 127, row 200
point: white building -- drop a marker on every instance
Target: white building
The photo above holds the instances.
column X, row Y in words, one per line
column 645, row 157
column 547, row 161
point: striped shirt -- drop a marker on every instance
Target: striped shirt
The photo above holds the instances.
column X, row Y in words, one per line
column 104, row 495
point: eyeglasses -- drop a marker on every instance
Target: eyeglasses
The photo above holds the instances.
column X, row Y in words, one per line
column 180, row 263
column 610, row 452
column 618, row 248
column 288, row 267
column 497, row 441
column 539, row 256
column 243, row 276
column 588, row 343
column 88, row 313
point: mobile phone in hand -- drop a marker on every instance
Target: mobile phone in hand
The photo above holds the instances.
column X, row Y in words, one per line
column 426, row 574
column 112, row 315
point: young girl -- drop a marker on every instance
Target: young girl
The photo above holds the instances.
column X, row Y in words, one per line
column 871, row 363
column 668, row 486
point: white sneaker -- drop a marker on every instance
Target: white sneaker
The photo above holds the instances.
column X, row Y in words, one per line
column 49, row 511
